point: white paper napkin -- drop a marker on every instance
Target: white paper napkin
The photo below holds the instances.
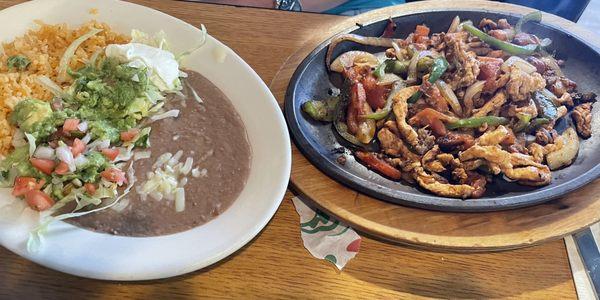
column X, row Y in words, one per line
column 325, row 237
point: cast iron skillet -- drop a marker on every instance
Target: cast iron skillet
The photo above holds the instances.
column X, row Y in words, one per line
column 322, row 147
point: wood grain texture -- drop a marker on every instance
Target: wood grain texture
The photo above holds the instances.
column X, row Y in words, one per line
column 275, row 264
column 437, row 230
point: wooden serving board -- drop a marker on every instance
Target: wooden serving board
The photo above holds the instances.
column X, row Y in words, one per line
column 463, row 232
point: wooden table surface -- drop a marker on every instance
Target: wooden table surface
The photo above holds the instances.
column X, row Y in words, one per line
column 275, row 264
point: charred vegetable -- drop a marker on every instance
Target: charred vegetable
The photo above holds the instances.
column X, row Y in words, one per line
column 546, row 108
column 499, row 44
column 440, row 65
column 321, row 110
column 477, row 122
column 381, row 114
column 353, row 58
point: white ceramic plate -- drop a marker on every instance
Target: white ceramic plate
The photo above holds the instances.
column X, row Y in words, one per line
column 84, row 253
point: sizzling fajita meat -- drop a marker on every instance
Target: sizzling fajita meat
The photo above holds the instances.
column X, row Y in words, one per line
column 448, row 111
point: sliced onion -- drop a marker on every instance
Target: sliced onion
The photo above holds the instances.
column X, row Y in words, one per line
column 381, row 57
column 397, row 51
column 388, row 79
column 351, row 58
column 412, row 67
column 170, row 114
column 83, row 126
column 64, row 154
column 454, row 25
column 470, row 93
column 179, row 199
column 362, row 40
column 519, row 63
column 104, row 144
column 552, row 64
column 86, row 139
column 80, row 161
column 31, row 142
column 450, row 97
column 44, row 152
column 98, row 144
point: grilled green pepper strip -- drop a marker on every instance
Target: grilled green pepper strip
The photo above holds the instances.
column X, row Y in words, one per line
column 379, row 72
column 477, row 122
column 535, row 16
column 440, row 65
column 321, row 110
column 385, row 111
column 507, row 47
column 547, row 109
column 537, row 123
column 524, row 120
column 400, row 67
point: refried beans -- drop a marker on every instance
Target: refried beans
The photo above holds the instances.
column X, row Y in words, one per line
column 210, row 132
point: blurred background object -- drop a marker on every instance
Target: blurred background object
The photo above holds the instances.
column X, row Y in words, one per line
column 568, row 9
column 584, row 12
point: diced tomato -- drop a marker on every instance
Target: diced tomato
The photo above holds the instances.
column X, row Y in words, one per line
column 421, row 30
column 378, row 164
column 432, row 118
column 111, row 154
column 62, row 168
column 70, row 125
column 436, row 99
column 376, row 94
column 128, row 135
column 78, row 147
column 38, row 200
column 26, row 184
column 90, row 188
column 114, row 175
column 45, row 166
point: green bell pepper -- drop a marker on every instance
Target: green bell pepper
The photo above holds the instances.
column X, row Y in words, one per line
column 477, row 122
column 507, row 47
column 440, row 65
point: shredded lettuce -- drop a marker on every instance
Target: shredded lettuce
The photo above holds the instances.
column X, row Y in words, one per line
column 203, row 38
column 51, row 86
column 70, row 52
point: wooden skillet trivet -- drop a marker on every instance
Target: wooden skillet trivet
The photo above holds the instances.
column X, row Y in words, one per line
column 463, row 232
